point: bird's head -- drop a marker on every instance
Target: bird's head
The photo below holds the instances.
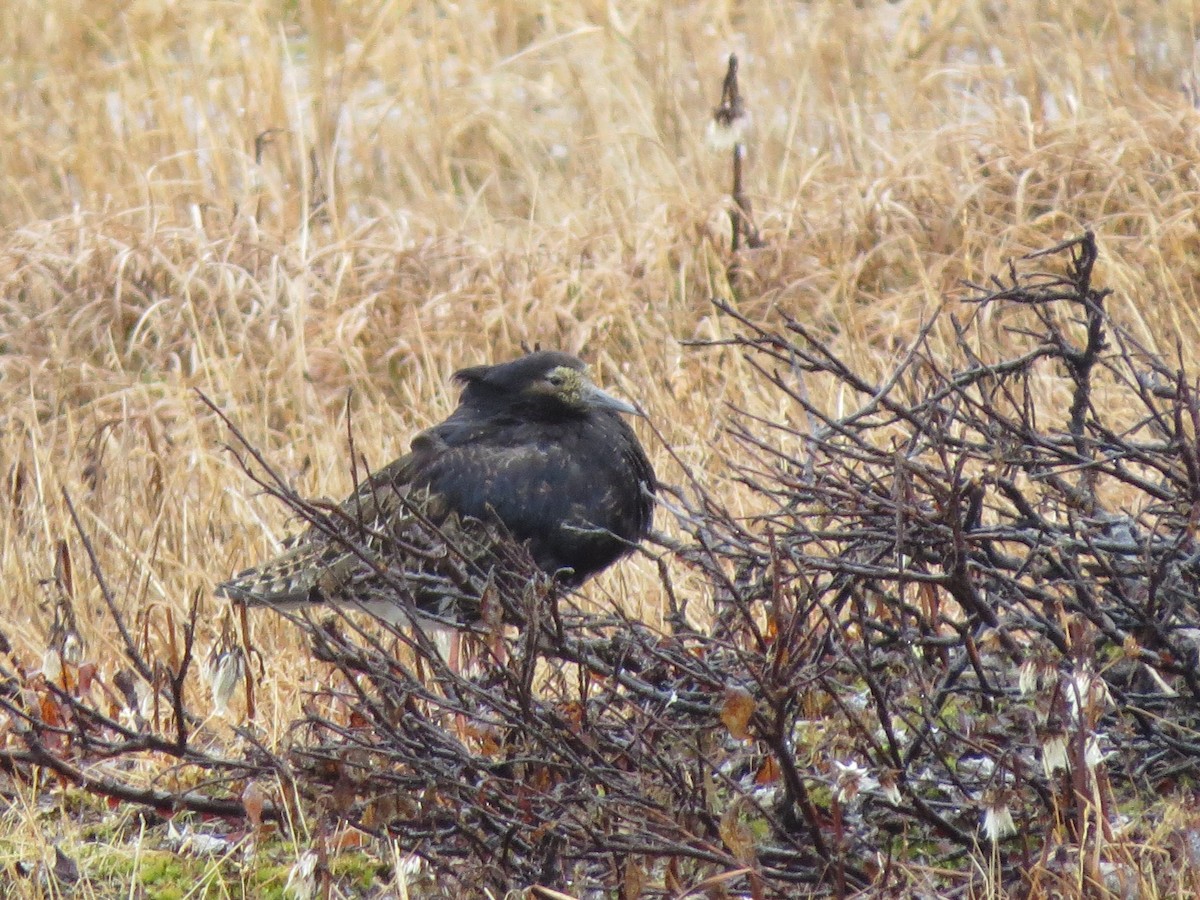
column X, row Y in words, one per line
column 546, row 383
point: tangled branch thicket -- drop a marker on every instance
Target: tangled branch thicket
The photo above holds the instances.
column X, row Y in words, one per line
column 960, row 638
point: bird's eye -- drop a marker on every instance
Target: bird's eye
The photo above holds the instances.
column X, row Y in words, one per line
column 556, row 379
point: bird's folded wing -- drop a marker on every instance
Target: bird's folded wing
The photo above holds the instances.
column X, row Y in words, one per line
column 390, row 542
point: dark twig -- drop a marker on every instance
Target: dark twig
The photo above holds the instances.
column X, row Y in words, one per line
column 729, row 123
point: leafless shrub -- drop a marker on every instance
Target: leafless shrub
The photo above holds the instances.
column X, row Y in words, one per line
column 976, row 616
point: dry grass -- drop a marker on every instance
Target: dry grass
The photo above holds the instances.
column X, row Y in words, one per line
column 433, row 189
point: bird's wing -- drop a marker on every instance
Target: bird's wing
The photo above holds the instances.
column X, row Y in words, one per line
column 315, row 562
column 394, row 540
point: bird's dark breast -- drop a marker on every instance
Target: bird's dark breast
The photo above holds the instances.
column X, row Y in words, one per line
column 577, row 492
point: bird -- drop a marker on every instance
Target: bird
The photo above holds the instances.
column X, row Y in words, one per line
column 536, row 462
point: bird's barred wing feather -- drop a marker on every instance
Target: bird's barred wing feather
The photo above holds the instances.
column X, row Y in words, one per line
column 397, row 541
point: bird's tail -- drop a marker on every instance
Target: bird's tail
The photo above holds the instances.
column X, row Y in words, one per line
column 305, row 573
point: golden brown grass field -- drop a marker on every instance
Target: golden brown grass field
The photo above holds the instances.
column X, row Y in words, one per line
column 283, row 205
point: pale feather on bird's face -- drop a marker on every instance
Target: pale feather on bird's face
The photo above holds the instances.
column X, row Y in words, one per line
column 574, row 390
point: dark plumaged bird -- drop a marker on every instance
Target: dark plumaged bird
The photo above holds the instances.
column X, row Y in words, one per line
column 534, row 455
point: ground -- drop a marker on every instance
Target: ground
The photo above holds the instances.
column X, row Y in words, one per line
column 309, row 213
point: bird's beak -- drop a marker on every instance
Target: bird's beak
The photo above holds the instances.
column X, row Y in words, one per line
column 598, row 399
